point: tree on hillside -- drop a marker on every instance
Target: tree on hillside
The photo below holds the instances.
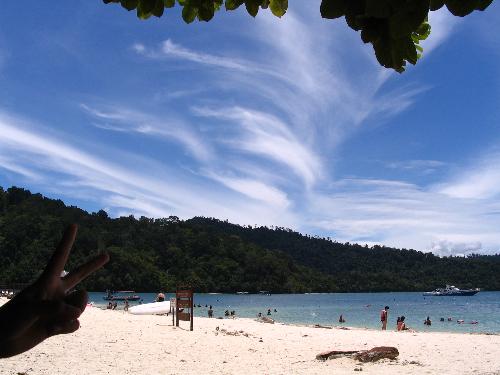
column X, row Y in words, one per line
column 394, row 27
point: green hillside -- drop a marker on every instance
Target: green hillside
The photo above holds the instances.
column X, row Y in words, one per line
column 216, row 256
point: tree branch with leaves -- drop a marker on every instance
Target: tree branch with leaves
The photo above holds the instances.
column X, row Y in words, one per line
column 395, row 28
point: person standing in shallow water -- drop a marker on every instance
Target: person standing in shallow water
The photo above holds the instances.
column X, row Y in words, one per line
column 384, row 316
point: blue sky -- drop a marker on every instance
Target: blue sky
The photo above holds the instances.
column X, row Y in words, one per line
column 262, row 121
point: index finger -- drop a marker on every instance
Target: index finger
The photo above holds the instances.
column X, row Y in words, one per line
column 60, row 257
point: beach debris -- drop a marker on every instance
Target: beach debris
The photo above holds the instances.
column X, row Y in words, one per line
column 416, row 363
column 377, row 353
column 320, row 326
column 225, row 332
column 371, row 355
column 265, row 319
column 358, row 369
column 331, row 354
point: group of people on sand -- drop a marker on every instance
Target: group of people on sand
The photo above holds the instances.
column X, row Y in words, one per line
column 227, row 313
column 400, row 321
column 269, row 313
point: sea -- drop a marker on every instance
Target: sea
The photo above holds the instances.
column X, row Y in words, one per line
column 479, row 313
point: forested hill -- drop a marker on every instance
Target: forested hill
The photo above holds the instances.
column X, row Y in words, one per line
column 216, row 256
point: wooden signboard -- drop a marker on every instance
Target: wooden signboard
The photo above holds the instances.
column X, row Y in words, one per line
column 184, row 306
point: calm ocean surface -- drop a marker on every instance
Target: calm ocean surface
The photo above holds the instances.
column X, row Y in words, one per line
column 358, row 309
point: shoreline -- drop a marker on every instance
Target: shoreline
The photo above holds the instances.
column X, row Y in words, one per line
column 361, row 311
column 116, row 342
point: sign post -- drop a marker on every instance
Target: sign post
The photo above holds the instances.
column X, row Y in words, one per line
column 183, row 302
column 172, row 310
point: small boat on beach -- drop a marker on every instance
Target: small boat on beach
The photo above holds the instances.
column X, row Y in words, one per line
column 452, row 290
column 121, row 295
column 155, row 308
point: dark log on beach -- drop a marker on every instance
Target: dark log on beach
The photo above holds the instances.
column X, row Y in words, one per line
column 377, row 353
column 371, row 355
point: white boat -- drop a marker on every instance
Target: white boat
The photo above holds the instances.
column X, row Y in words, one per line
column 150, row 308
column 241, row 292
column 452, row 290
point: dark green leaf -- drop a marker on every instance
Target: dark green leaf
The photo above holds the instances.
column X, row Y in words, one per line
column 333, row 8
column 129, row 4
column 378, row 8
column 206, row 10
column 158, row 8
column 233, row 4
column 483, row 4
column 189, row 13
column 436, row 4
column 252, row 7
column 461, row 8
column 278, row 7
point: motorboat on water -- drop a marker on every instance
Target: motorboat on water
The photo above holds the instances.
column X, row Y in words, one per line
column 452, row 290
column 121, row 295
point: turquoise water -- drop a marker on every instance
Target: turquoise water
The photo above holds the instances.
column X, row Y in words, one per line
column 358, row 309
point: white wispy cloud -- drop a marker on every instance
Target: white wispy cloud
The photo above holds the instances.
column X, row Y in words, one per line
column 169, row 127
column 266, row 135
column 126, row 184
column 254, row 189
column 481, row 180
column 442, row 25
column 169, row 49
column 10, row 164
column 417, row 165
column 401, row 214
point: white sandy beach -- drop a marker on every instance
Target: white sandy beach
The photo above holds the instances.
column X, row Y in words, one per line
column 115, row 342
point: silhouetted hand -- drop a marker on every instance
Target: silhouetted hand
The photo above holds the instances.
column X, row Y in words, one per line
column 45, row 308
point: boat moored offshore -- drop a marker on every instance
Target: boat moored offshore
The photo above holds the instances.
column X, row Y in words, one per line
column 452, row 290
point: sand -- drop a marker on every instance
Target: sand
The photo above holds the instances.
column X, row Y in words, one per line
column 115, row 342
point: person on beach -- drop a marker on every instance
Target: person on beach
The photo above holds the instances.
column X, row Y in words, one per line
column 268, row 311
column 160, row 297
column 384, row 315
column 126, row 305
column 402, row 325
column 427, row 321
column 341, row 319
column 48, row 307
column 210, row 312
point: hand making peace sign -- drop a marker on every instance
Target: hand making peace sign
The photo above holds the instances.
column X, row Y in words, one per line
column 47, row 307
